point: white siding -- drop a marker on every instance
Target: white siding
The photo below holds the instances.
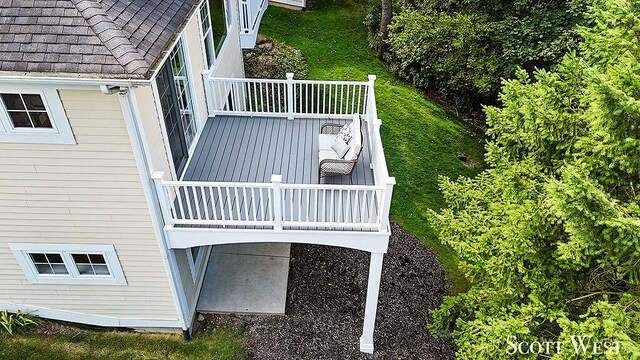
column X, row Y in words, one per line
column 89, row 193
column 196, row 62
column 152, row 129
column 230, row 61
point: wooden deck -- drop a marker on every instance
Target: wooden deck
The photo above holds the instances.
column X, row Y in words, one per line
column 251, row 149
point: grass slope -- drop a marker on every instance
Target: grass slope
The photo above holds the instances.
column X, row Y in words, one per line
column 70, row 343
column 421, row 138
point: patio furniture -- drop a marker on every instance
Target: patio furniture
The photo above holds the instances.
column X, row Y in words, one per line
column 334, row 158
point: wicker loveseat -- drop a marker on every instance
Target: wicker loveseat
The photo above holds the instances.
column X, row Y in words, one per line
column 330, row 162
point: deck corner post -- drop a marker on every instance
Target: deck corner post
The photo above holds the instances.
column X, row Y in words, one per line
column 386, row 206
column 207, row 92
column 371, row 306
column 276, row 181
column 158, row 178
column 290, row 104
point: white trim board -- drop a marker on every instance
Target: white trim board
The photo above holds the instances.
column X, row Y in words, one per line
column 81, row 318
column 182, row 238
column 142, row 156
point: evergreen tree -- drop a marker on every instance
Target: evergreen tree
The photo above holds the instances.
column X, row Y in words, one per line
column 550, row 233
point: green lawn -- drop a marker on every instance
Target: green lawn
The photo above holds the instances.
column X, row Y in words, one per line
column 70, row 343
column 421, row 138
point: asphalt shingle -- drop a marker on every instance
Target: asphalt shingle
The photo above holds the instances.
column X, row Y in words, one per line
column 95, row 38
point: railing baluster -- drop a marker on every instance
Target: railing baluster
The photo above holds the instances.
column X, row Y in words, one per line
column 188, row 198
column 221, row 202
column 253, row 203
column 214, row 212
column 179, row 198
column 262, row 204
column 195, row 201
column 341, row 97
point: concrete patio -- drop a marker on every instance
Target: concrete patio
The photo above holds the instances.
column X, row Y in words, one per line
column 246, row 278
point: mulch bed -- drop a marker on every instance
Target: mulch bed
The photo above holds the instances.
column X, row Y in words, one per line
column 325, row 306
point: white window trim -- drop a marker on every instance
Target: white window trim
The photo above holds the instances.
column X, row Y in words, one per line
column 228, row 9
column 207, row 36
column 21, row 252
column 60, row 133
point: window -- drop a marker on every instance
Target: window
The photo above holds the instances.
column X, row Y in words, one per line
column 26, row 110
column 30, row 114
column 207, row 34
column 218, row 13
column 69, row 264
column 183, row 92
column 195, row 257
column 215, row 23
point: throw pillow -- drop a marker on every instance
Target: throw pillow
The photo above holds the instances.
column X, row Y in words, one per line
column 352, row 154
column 340, row 147
column 345, row 133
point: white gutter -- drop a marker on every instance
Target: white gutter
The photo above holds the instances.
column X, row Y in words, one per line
column 27, row 79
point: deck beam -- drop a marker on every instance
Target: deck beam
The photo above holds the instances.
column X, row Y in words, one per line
column 186, row 237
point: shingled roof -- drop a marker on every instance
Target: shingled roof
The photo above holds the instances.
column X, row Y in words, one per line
column 89, row 38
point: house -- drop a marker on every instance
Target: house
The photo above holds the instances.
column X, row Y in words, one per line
column 131, row 145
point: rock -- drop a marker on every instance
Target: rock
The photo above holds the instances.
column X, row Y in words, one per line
column 261, row 39
column 266, row 46
column 200, row 318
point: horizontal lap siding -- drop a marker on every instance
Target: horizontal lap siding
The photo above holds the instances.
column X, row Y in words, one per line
column 89, row 193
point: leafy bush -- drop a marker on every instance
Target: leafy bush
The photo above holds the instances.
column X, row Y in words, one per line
column 11, row 321
column 273, row 60
column 453, row 54
column 462, row 50
column 550, row 234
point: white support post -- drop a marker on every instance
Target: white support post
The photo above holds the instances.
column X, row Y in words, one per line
column 162, row 196
column 373, row 289
column 207, row 92
column 276, row 181
column 290, row 103
column 386, row 206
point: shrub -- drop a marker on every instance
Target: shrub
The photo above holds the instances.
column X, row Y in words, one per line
column 11, row 321
column 273, row 60
column 462, row 50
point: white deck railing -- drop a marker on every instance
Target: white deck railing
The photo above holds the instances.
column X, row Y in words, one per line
column 251, row 12
column 288, row 98
column 272, row 205
column 286, row 206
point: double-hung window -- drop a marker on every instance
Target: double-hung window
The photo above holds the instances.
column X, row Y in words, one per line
column 33, row 115
column 215, row 23
column 69, row 264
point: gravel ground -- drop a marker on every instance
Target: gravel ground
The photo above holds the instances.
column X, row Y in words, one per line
column 325, row 306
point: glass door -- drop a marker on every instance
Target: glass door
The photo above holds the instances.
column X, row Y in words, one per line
column 177, row 107
column 172, row 119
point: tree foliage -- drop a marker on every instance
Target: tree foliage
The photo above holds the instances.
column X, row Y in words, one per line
column 550, row 233
column 462, row 49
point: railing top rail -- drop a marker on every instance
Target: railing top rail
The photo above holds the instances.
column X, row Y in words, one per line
column 332, row 187
column 220, row 79
column 215, row 183
column 295, row 81
column 268, row 185
column 339, row 82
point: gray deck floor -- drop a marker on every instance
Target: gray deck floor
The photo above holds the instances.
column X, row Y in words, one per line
column 251, row 149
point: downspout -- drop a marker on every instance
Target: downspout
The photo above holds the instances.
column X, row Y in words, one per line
column 145, row 168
